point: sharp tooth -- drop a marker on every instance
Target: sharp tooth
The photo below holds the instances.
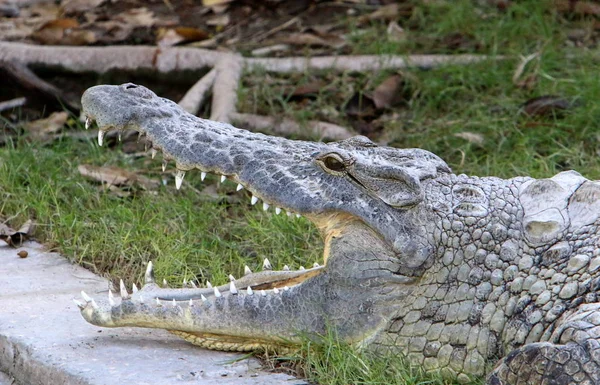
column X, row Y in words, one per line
column 316, row 264
column 193, row 284
column 298, row 215
column 191, row 303
column 80, row 305
column 88, row 122
column 285, row 288
column 301, row 268
column 267, row 265
column 253, row 200
column 277, row 210
column 202, row 175
column 247, row 270
column 263, row 293
column 86, row 297
column 140, row 136
column 223, row 177
column 134, row 288
column 153, row 153
column 100, row 137
column 158, row 302
column 265, row 206
column 276, row 290
column 217, row 292
column 179, row 174
column 174, row 303
column 124, row 293
column 120, row 136
column 165, row 283
column 141, row 299
column 232, row 288
column 203, row 298
column 94, row 304
column 149, row 276
column 147, row 145
column 111, row 298
column 231, row 278
column 288, row 213
column 184, row 283
column 239, row 187
column 249, row 291
column 208, row 284
column 286, row 268
column 165, row 163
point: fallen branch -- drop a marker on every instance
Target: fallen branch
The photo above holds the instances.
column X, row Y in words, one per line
column 13, row 103
column 193, row 99
column 229, row 71
column 288, row 127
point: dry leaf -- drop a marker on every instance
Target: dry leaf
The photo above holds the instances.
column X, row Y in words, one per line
column 395, row 32
column 222, row 20
column 471, row 137
column 173, row 36
column 577, row 7
column 44, row 128
column 310, row 39
column 386, row 93
column 388, row 12
column 360, row 106
column 115, row 176
column 77, row 6
column 16, row 238
column 137, row 17
column 546, row 105
column 14, row 29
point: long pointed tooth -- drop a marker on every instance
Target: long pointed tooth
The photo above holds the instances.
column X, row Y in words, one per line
column 203, row 298
column 165, row 283
column 124, row 293
column 174, row 303
column 158, row 302
column 267, row 265
column 79, row 304
column 208, row 284
column 277, row 210
column 134, row 288
column 298, row 215
column 301, row 268
column 288, row 213
column 239, row 187
column 94, row 304
column 276, row 290
column 147, row 145
column 191, row 303
column 120, row 136
column 263, row 293
column 247, row 270
column 265, row 206
column 149, row 276
column 286, row 288
column 223, row 177
column 111, row 298
column 231, row 278
column 286, row 268
column 249, row 290
column 153, row 153
column 202, row 175
column 316, row 264
column 88, row 122
column 165, row 163
column 232, row 288
column 193, row 284
column 253, row 200
column 217, row 292
column 141, row 297
column 179, row 174
column 86, row 297
column 100, row 137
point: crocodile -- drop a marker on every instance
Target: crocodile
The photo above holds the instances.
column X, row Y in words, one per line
column 465, row 276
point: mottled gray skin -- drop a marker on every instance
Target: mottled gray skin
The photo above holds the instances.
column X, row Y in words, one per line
column 464, row 275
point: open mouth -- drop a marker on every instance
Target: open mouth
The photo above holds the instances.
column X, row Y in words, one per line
column 264, row 283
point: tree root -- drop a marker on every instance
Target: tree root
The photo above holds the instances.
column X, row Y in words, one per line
column 224, row 76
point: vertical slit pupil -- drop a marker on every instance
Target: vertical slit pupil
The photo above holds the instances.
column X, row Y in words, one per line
column 334, row 164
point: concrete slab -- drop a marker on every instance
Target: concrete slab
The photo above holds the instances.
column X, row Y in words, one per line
column 44, row 339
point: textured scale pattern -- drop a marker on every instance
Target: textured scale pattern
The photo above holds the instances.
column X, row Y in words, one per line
column 467, row 276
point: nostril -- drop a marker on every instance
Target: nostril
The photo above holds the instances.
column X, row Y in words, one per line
column 130, row 86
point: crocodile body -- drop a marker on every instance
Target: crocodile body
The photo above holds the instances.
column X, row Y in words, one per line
column 467, row 276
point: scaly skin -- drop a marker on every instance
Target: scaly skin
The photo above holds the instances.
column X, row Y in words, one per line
column 459, row 273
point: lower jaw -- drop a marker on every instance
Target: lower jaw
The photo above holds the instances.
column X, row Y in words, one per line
column 232, row 343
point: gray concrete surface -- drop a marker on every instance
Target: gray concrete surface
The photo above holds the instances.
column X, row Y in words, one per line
column 44, row 339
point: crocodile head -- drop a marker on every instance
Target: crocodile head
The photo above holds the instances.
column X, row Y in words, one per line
column 368, row 201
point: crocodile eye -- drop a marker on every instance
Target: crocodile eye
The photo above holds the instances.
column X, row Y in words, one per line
column 333, row 163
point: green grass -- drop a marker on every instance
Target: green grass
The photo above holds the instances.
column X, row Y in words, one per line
column 191, row 236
